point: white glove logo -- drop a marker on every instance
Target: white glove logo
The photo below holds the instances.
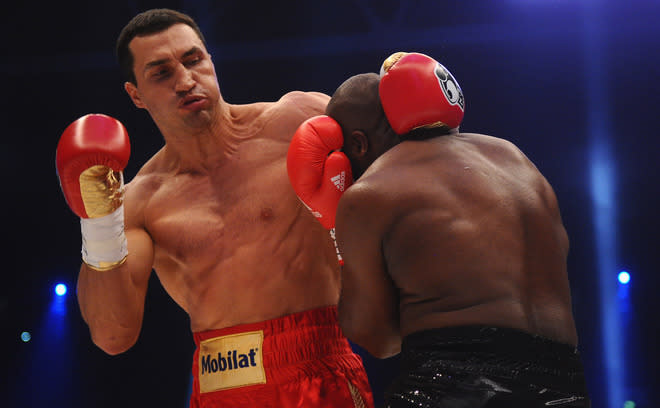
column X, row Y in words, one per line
column 339, row 181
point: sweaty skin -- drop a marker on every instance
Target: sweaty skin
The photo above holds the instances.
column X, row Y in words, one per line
column 212, row 212
column 458, row 229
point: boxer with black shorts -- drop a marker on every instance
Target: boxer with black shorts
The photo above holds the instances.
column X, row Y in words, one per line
column 453, row 245
column 214, row 215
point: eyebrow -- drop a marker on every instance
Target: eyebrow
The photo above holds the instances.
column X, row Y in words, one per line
column 162, row 61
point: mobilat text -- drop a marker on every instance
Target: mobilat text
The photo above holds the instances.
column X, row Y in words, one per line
column 233, row 361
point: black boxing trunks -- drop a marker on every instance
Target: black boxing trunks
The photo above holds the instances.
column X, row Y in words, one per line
column 299, row 360
column 476, row 366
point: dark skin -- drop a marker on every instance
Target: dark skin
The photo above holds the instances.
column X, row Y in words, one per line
column 454, row 229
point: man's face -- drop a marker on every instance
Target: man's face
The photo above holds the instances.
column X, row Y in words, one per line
column 176, row 80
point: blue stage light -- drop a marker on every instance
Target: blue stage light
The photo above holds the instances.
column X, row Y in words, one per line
column 60, row 289
column 26, row 336
column 624, row 277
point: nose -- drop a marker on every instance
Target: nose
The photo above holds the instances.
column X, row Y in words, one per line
column 184, row 81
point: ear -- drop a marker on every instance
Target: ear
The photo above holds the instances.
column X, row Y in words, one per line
column 359, row 143
column 133, row 93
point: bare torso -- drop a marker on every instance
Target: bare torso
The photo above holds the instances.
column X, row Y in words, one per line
column 472, row 235
column 233, row 244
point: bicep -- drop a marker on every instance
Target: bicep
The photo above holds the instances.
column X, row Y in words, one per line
column 139, row 262
column 140, row 257
column 368, row 304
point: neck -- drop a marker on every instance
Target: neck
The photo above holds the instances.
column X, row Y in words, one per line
column 199, row 147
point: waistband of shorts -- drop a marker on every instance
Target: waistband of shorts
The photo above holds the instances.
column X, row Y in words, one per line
column 291, row 339
column 486, row 341
column 496, row 352
column 485, row 337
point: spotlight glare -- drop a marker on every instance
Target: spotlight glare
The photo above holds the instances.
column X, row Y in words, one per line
column 60, row 289
column 624, row 277
column 26, row 336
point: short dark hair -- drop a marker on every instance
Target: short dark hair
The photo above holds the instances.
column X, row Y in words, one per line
column 425, row 132
column 148, row 22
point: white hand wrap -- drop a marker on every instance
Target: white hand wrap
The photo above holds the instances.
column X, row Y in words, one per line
column 103, row 240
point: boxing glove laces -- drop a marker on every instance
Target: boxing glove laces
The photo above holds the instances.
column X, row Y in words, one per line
column 318, row 172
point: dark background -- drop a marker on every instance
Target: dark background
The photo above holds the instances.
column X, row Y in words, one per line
column 573, row 83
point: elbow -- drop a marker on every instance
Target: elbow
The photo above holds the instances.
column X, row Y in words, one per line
column 383, row 349
column 379, row 337
column 377, row 344
column 113, row 344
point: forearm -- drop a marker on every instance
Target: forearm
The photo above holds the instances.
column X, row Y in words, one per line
column 91, row 155
column 112, row 305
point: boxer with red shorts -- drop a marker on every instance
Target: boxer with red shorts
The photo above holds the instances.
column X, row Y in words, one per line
column 299, row 360
column 214, row 215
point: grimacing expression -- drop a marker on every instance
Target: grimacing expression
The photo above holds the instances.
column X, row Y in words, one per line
column 176, row 80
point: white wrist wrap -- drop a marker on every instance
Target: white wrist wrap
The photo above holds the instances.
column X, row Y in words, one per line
column 103, row 240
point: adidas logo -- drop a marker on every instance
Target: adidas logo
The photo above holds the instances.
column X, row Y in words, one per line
column 339, row 180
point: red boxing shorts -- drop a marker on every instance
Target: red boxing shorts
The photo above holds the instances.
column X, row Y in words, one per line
column 299, row 360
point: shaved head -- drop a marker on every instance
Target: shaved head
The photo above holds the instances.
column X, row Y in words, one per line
column 356, row 106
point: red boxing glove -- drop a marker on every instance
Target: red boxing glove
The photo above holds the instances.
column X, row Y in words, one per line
column 417, row 91
column 91, row 154
column 88, row 152
column 318, row 173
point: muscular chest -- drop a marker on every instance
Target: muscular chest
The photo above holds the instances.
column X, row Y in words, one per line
column 210, row 217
